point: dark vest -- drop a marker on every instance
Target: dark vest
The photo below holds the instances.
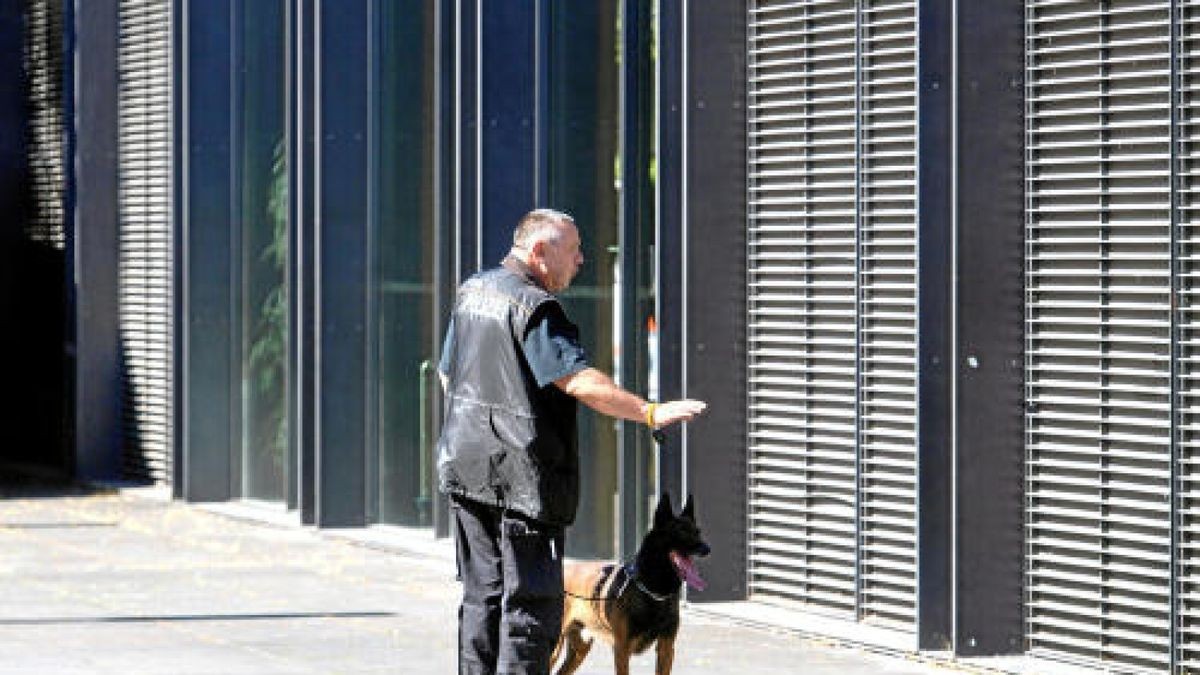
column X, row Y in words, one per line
column 505, row 441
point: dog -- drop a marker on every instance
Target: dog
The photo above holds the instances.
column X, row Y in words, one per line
column 636, row 605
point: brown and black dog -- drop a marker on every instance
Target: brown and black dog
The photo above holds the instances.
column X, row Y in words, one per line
column 635, row 605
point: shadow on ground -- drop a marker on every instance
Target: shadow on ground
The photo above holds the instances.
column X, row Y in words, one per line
column 19, row 483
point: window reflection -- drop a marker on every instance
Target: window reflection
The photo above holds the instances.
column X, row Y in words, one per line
column 262, row 174
column 405, row 236
column 582, row 123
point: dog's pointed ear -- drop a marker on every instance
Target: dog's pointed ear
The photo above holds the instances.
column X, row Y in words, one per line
column 663, row 514
column 688, row 511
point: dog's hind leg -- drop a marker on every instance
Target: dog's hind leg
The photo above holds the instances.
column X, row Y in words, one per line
column 576, row 647
column 665, row 651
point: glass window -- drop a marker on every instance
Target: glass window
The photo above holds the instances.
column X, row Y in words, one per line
column 261, row 171
column 405, row 236
column 583, row 126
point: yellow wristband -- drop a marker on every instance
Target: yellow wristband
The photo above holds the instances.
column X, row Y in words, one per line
column 650, row 408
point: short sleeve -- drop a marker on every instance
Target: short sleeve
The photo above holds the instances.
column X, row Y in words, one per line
column 447, row 346
column 552, row 346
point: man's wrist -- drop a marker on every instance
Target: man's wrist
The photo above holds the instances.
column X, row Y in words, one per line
column 648, row 411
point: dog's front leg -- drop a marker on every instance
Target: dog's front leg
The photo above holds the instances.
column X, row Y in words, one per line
column 621, row 656
column 665, row 650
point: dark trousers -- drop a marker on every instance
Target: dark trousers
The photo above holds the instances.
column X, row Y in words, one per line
column 512, row 575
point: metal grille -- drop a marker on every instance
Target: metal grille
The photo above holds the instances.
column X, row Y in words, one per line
column 146, row 256
column 1099, row 331
column 1187, row 330
column 832, row 307
column 45, row 142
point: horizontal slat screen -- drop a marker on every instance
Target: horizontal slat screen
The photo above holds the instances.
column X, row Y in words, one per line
column 1099, row 332
column 45, row 137
column 147, row 258
column 832, row 307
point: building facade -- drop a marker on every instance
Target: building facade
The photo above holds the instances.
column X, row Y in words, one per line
column 930, row 262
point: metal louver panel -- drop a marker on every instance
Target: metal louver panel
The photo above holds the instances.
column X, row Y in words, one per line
column 146, row 255
column 45, row 139
column 1099, row 332
column 832, row 307
column 1187, row 332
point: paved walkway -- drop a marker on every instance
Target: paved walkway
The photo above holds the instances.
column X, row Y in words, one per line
column 119, row 582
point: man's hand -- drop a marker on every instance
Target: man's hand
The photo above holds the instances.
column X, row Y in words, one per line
column 598, row 391
column 671, row 412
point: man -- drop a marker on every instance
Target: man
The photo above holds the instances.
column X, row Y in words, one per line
column 513, row 369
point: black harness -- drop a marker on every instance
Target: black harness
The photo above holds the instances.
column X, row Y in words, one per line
column 629, row 571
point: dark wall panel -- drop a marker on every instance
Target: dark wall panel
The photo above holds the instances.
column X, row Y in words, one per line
column 342, row 223
column 206, row 374
column 98, row 368
column 990, row 366
column 934, row 326
column 716, row 287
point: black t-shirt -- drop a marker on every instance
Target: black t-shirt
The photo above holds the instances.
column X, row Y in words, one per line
column 551, row 346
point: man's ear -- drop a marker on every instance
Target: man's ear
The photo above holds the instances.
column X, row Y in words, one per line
column 537, row 251
column 663, row 514
column 688, row 512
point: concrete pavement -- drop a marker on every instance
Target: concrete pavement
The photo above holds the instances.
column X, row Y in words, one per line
column 128, row 582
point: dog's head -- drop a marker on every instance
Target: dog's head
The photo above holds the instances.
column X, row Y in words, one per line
column 680, row 536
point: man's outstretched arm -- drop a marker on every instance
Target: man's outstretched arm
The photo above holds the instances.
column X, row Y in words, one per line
column 598, row 391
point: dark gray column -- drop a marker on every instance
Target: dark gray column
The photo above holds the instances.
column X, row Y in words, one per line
column 343, row 259
column 935, row 86
column 669, row 284
column 714, row 330
column 301, row 167
column 445, row 282
column 204, row 193
column 96, row 241
column 990, row 367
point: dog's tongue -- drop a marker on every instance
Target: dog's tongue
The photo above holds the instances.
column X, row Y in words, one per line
column 687, row 571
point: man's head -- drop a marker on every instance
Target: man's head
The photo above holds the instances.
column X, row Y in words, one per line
column 548, row 242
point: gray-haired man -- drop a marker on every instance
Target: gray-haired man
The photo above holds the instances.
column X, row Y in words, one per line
column 513, row 370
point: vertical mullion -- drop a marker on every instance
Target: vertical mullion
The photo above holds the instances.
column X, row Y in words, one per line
column 236, row 404
column 445, row 99
column 477, row 137
column 1174, row 17
column 1029, row 294
column 858, row 305
column 373, row 477
column 1104, row 284
column 292, row 485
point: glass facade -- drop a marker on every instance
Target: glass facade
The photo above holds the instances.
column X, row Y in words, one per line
column 405, row 234
column 583, row 153
column 262, row 172
column 341, row 187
